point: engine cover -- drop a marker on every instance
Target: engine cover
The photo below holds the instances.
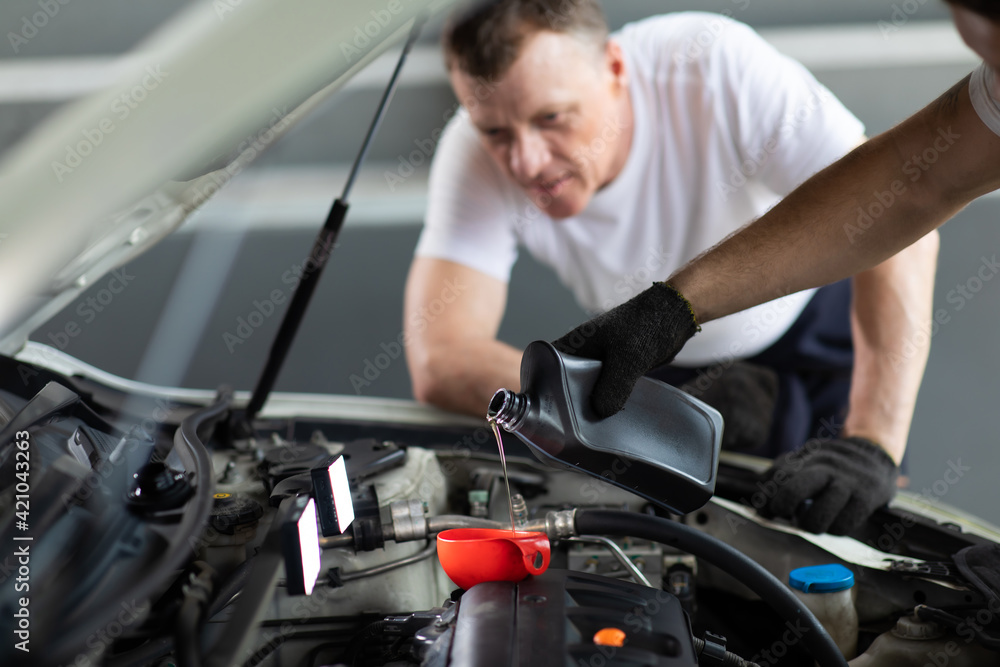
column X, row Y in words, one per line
column 552, row 619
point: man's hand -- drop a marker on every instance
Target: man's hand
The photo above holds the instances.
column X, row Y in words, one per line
column 644, row 332
column 846, row 479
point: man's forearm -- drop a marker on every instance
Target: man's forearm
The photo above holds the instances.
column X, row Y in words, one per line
column 853, row 215
column 451, row 315
column 891, row 319
column 463, row 375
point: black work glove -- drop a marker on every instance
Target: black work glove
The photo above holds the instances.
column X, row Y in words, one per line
column 846, row 479
column 745, row 395
column 640, row 334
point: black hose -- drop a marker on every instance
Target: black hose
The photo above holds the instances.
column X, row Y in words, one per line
column 357, row 645
column 186, row 633
column 731, row 659
column 949, row 620
column 194, row 456
column 426, row 552
column 718, row 553
column 187, row 629
column 231, row 586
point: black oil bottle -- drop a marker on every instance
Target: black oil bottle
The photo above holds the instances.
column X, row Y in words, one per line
column 663, row 445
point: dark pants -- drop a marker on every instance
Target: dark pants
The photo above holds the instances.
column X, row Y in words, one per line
column 813, row 360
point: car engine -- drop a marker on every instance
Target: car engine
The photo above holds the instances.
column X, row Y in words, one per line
column 158, row 533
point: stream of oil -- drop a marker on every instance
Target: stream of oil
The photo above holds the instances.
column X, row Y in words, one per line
column 506, row 480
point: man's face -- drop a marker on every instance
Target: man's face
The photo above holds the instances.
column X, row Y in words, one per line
column 980, row 33
column 558, row 122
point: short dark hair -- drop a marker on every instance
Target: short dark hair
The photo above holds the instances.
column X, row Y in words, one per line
column 988, row 8
column 485, row 40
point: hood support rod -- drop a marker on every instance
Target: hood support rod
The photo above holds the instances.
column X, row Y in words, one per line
column 323, row 246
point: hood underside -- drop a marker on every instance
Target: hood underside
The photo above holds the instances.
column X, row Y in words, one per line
column 110, row 175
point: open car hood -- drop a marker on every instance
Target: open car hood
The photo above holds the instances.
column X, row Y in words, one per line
column 106, row 177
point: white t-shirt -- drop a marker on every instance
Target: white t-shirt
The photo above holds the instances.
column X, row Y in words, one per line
column 724, row 126
column 982, row 92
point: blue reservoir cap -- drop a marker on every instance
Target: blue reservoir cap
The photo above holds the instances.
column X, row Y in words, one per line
column 821, row 579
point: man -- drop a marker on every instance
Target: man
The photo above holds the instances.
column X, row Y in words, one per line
column 827, row 229
column 617, row 160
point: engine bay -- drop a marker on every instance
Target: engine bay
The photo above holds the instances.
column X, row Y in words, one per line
column 157, row 533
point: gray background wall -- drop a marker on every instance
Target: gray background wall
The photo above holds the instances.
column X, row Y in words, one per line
column 356, row 314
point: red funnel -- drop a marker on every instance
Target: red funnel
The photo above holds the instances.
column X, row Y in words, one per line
column 473, row 555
